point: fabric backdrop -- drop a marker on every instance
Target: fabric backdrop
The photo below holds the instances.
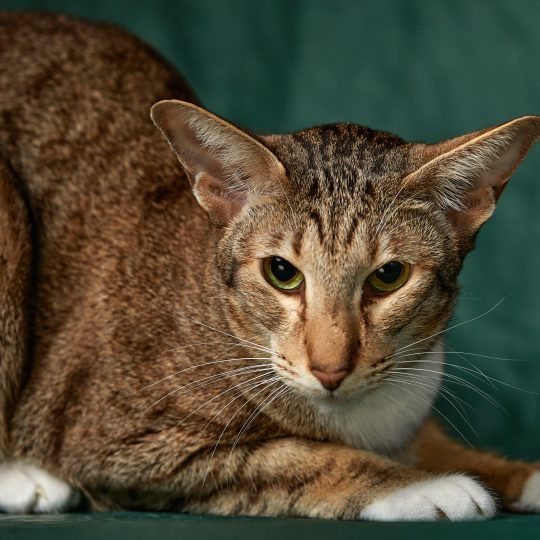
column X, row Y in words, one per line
column 423, row 69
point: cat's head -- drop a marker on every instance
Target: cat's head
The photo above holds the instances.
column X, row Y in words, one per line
column 339, row 245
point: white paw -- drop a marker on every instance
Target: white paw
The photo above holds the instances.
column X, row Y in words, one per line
column 530, row 497
column 455, row 497
column 25, row 489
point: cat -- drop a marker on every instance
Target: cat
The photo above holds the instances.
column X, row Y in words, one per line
column 230, row 327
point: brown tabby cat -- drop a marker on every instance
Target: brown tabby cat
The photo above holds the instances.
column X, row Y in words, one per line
column 248, row 350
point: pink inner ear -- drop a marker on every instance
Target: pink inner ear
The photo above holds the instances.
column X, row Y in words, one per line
column 218, row 188
column 214, row 196
column 498, row 172
column 479, row 205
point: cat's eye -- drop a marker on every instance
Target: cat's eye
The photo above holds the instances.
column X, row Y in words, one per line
column 282, row 274
column 389, row 277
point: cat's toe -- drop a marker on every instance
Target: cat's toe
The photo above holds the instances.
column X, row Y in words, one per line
column 454, row 497
column 28, row 489
column 530, row 496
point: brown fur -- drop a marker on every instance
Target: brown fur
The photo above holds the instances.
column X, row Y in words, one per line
column 435, row 452
column 128, row 270
column 15, row 264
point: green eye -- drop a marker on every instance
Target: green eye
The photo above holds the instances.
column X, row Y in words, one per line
column 390, row 277
column 282, row 274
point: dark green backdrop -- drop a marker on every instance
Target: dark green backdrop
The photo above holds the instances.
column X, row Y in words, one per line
column 425, row 69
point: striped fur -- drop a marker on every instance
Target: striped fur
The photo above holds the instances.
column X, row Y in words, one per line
column 161, row 370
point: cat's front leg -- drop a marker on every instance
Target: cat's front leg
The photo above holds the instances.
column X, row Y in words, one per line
column 517, row 483
column 296, row 477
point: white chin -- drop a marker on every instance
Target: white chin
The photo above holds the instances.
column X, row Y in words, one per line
column 386, row 418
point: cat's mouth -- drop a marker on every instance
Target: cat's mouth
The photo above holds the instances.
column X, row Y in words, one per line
column 351, row 386
column 360, row 384
column 357, row 383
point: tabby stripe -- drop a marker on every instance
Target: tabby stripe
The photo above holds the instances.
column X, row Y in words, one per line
column 316, row 217
column 352, row 229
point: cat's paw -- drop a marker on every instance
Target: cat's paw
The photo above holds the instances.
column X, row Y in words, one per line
column 27, row 489
column 530, row 496
column 454, row 497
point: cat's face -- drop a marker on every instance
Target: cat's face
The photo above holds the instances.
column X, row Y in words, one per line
column 340, row 246
column 342, row 227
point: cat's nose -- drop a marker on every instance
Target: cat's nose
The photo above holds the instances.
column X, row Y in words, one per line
column 330, row 380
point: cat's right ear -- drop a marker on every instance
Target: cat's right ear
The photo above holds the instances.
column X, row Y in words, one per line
column 226, row 167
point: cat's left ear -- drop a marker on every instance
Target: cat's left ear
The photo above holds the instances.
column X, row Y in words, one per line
column 227, row 168
column 465, row 176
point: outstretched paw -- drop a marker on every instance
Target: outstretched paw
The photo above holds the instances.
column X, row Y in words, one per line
column 455, row 497
column 530, row 496
column 27, row 489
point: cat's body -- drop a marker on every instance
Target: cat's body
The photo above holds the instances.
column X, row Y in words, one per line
column 120, row 289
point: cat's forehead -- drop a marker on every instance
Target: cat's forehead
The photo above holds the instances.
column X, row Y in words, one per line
column 341, row 159
column 343, row 177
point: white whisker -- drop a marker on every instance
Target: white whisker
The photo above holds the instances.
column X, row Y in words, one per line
column 261, row 347
column 199, row 366
column 247, row 424
column 211, row 379
column 476, row 355
column 428, row 383
column 437, row 410
column 267, row 383
column 459, row 381
column 456, row 325
column 476, row 373
column 189, row 345
column 473, row 367
column 385, row 217
column 443, row 393
column 234, row 387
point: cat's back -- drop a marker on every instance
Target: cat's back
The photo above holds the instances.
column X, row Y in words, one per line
column 47, row 56
column 74, row 102
column 75, row 130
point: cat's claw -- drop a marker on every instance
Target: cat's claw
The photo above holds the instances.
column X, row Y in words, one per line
column 530, row 496
column 27, row 489
column 455, row 497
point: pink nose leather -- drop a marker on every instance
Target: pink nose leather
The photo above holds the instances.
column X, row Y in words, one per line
column 330, row 380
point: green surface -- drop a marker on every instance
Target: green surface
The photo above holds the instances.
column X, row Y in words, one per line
column 171, row 526
column 425, row 69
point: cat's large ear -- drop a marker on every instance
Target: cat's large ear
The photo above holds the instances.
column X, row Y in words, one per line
column 226, row 166
column 466, row 175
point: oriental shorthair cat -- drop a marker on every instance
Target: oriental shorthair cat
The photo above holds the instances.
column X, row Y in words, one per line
column 196, row 318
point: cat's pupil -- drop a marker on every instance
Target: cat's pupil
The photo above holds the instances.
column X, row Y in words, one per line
column 282, row 269
column 390, row 272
